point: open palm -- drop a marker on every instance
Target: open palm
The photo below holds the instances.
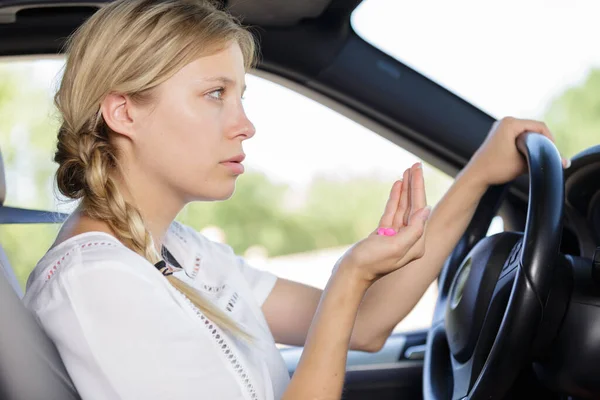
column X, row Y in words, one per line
column 406, row 212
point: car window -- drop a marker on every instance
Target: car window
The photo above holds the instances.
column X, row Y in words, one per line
column 27, row 136
column 28, row 125
column 316, row 181
column 537, row 71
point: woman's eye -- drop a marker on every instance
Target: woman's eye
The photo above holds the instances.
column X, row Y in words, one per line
column 217, row 94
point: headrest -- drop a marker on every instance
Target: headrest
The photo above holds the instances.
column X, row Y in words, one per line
column 2, row 182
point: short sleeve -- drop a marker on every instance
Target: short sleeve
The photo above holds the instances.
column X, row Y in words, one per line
column 261, row 282
column 136, row 339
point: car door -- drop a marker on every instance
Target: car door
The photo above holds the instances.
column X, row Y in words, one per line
column 394, row 372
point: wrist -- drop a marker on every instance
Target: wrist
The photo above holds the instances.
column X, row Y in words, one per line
column 352, row 275
column 475, row 175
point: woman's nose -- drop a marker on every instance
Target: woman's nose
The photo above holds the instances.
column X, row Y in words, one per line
column 243, row 126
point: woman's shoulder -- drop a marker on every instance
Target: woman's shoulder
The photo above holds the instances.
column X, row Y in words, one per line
column 101, row 252
column 78, row 254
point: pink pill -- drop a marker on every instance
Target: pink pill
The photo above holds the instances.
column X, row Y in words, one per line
column 386, row 231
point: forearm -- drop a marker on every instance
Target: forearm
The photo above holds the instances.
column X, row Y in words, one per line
column 321, row 369
column 391, row 298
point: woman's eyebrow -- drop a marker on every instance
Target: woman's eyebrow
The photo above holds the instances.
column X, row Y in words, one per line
column 225, row 81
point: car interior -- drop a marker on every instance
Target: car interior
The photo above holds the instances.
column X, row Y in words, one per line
column 518, row 313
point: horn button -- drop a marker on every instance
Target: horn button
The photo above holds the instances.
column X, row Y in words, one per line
column 472, row 290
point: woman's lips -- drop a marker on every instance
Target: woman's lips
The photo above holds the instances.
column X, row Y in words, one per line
column 235, row 167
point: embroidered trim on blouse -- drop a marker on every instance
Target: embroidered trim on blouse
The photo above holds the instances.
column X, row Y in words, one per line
column 212, row 289
column 232, row 301
column 197, row 262
column 57, row 264
column 225, row 349
column 175, row 228
column 212, row 328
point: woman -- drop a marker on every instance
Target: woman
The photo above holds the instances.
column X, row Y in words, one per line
column 141, row 307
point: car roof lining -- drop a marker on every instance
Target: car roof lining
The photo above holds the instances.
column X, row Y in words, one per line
column 278, row 13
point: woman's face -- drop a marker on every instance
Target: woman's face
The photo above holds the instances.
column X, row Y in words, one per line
column 190, row 137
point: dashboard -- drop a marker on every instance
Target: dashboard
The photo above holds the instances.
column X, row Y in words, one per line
column 581, row 233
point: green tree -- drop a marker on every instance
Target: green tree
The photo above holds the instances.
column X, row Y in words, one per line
column 259, row 213
column 574, row 116
column 330, row 213
column 27, row 134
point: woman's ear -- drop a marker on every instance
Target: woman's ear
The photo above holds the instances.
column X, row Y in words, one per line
column 117, row 114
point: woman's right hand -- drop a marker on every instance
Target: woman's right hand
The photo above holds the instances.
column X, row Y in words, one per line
column 406, row 212
column 320, row 371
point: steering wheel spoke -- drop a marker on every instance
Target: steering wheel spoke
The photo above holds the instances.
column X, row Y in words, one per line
column 462, row 374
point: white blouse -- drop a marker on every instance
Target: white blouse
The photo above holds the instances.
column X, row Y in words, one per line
column 124, row 332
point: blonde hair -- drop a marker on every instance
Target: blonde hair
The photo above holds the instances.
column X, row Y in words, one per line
column 129, row 47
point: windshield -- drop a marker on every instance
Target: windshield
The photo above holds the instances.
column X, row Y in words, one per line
column 535, row 59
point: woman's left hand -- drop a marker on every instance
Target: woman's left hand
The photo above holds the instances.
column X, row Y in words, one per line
column 498, row 160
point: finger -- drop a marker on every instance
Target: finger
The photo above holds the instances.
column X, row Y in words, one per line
column 418, row 195
column 387, row 219
column 408, row 243
column 529, row 125
column 411, row 233
column 410, row 239
column 541, row 127
column 403, row 203
column 409, row 205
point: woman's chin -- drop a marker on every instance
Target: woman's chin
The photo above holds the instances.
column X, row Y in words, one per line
column 217, row 193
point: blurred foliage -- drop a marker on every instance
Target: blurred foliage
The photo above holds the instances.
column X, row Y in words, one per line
column 27, row 137
column 330, row 213
column 574, row 116
column 271, row 215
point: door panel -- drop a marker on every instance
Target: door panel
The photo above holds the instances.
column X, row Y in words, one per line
column 394, row 372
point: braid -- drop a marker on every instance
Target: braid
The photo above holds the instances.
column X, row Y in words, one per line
column 91, row 168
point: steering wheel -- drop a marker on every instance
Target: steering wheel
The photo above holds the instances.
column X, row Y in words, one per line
column 491, row 301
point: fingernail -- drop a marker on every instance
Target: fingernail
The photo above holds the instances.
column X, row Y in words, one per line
column 419, row 165
column 567, row 163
